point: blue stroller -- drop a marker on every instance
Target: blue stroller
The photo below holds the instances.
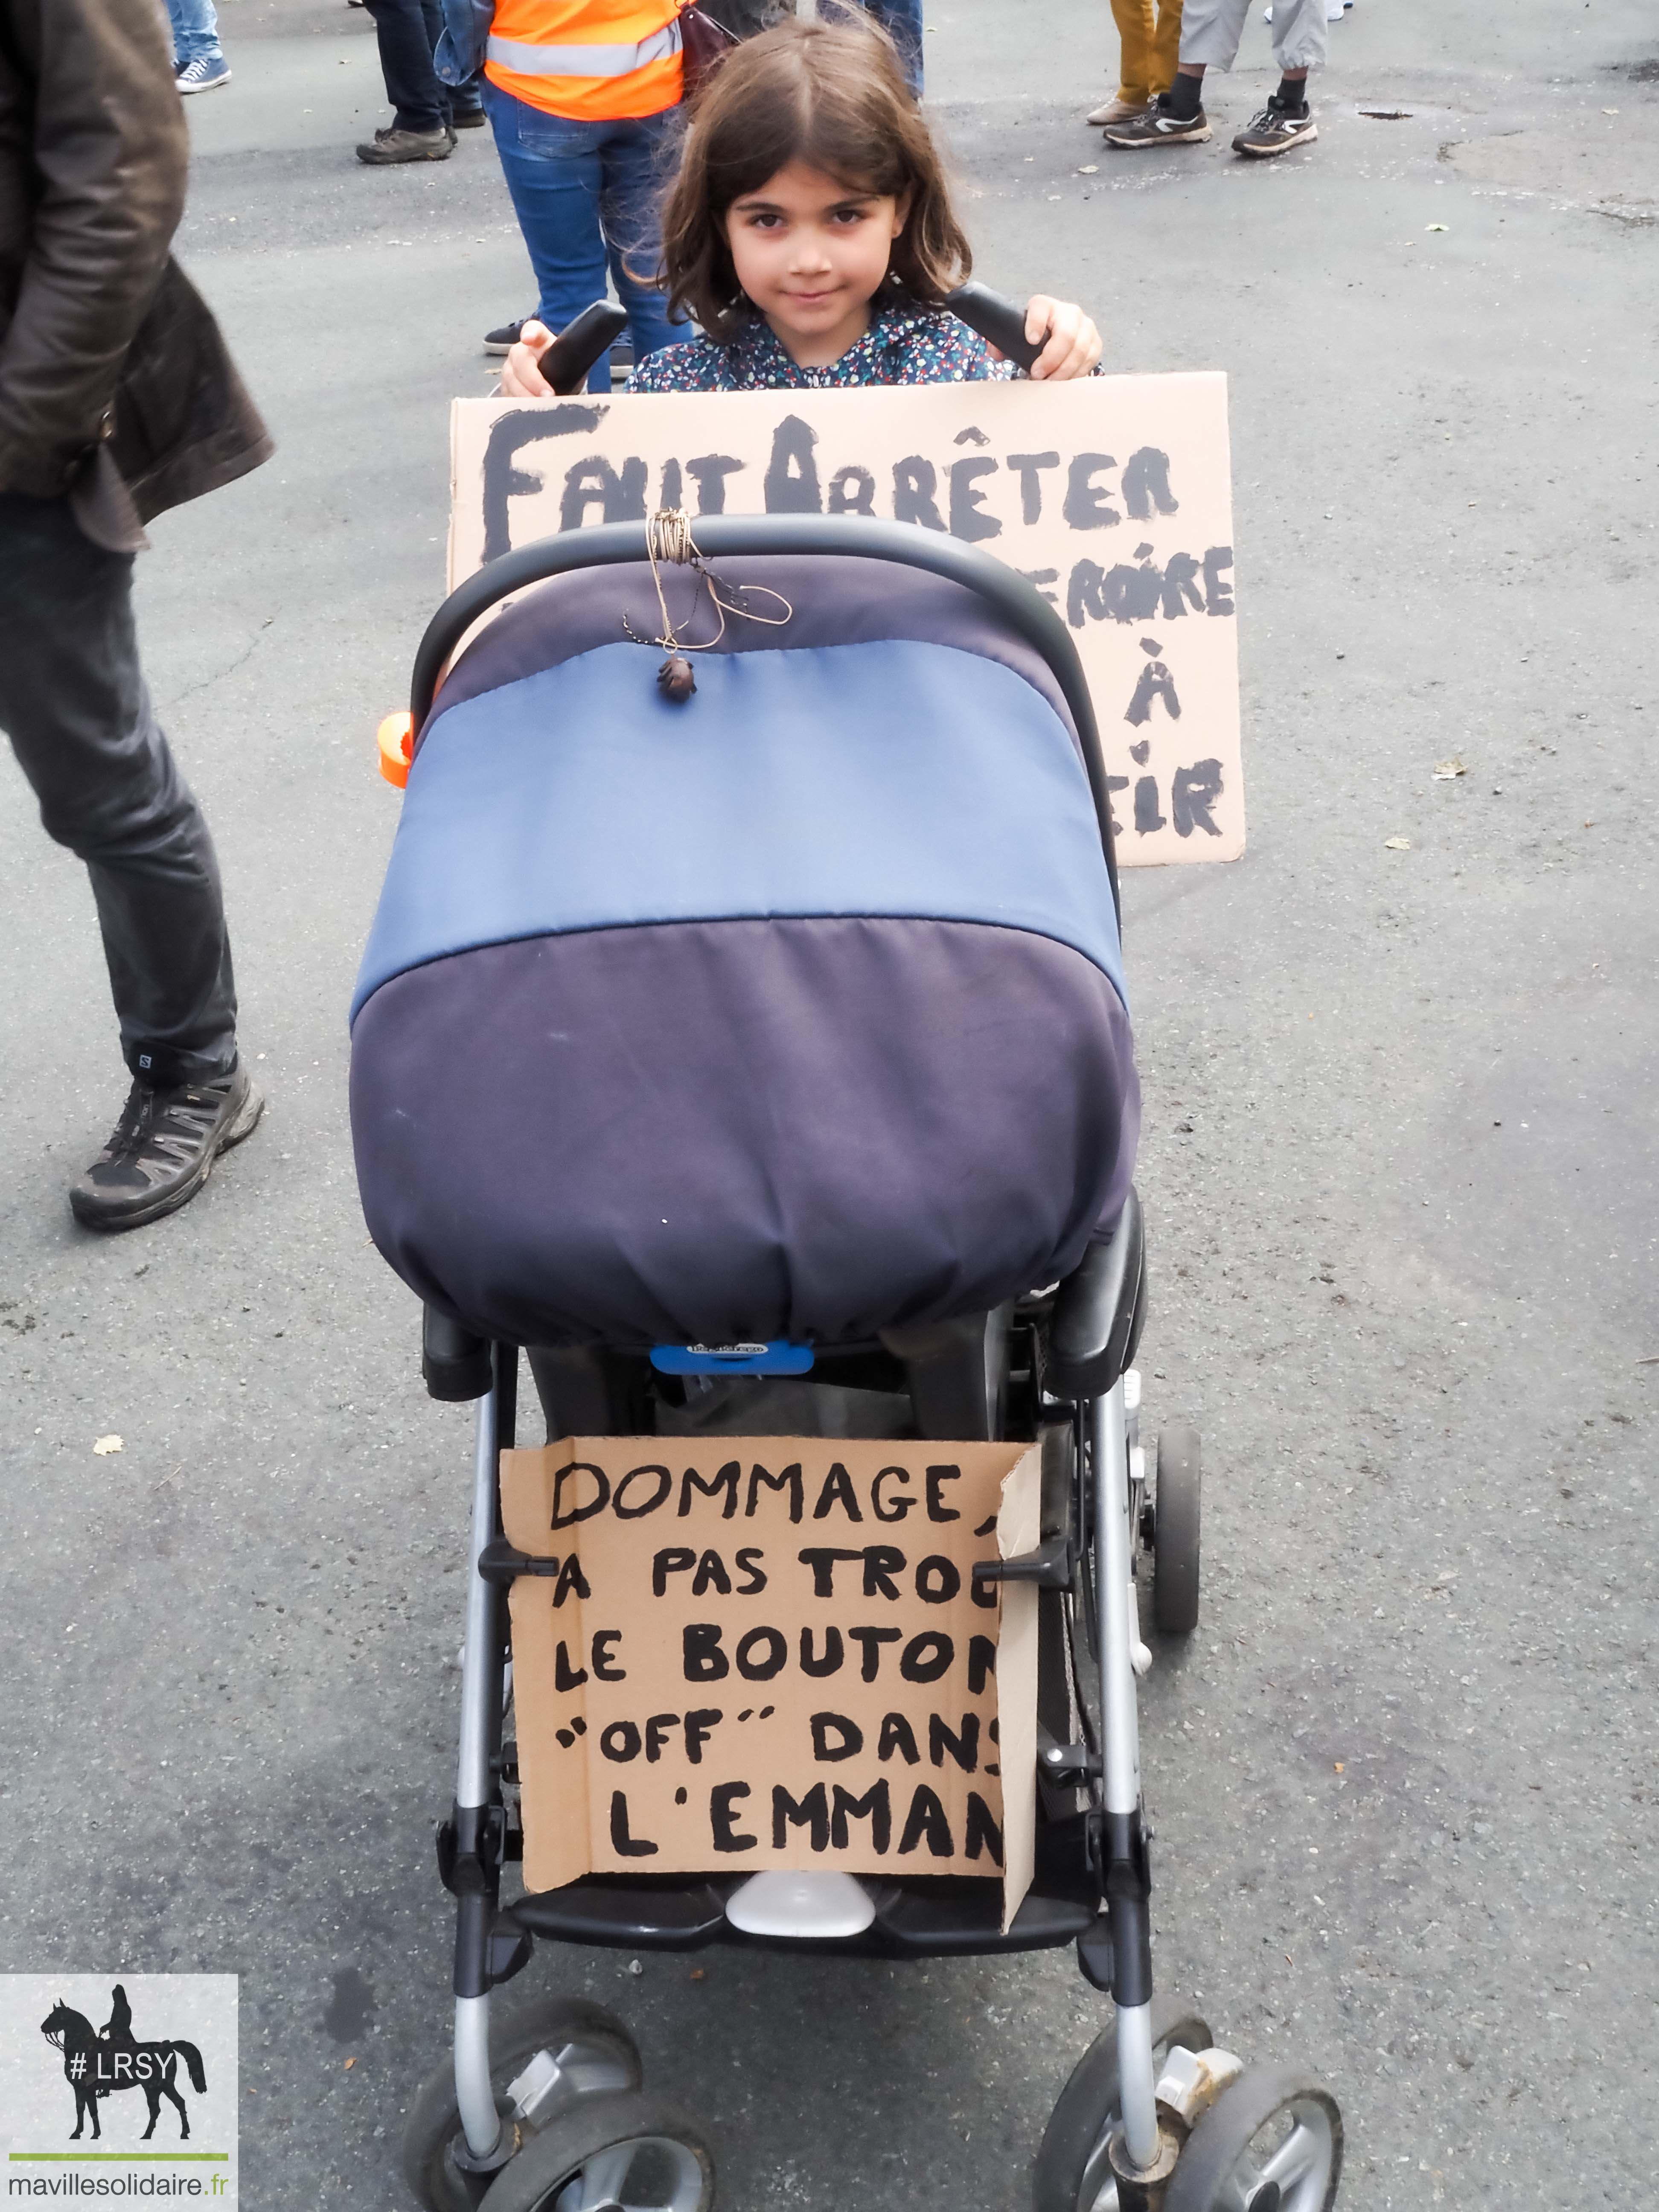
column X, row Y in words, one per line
column 760, row 1042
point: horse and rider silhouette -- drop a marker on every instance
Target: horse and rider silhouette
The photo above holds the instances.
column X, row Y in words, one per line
column 97, row 2062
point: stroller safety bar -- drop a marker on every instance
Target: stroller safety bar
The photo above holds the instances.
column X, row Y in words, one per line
column 725, row 537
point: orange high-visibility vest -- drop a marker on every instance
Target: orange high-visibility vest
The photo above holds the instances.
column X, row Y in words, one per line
column 591, row 59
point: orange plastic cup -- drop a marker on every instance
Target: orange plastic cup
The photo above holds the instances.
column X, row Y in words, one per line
column 397, row 742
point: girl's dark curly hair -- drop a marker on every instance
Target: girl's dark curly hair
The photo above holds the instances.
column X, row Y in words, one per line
column 832, row 95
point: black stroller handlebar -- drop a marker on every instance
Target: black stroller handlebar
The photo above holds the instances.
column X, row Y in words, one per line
column 721, row 536
column 565, row 365
column 999, row 320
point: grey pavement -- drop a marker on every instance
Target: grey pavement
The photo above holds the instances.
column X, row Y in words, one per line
column 1398, row 1165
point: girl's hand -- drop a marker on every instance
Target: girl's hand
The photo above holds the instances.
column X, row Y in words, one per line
column 521, row 379
column 1073, row 343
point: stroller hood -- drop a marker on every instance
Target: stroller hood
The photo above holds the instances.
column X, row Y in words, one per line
column 794, row 1010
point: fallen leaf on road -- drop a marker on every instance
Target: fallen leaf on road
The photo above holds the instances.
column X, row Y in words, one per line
column 349, row 2063
column 1446, row 769
column 106, row 1445
column 1396, row 844
column 1438, row 226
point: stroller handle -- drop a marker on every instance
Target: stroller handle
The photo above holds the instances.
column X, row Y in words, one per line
column 610, row 544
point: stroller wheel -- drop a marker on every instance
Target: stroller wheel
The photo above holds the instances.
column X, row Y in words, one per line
column 1073, row 2173
column 1176, row 1533
column 1271, row 2142
column 626, row 2152
column 594, row 2053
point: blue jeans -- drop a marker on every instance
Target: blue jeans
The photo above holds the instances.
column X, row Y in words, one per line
column 195, row 30
column 902, row 21
column 587, row 196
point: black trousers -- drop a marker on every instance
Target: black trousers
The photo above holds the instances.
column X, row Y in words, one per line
column 408, row 33
column 74, row 704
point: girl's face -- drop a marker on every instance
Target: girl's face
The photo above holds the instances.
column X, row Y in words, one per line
column 811, row 254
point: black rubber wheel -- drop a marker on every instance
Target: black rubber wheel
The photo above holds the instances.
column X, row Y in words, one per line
column 625, row 2152
column 1271, row 2142
column 1176, row 1533
column 1072, row 2173
column 434, row 2120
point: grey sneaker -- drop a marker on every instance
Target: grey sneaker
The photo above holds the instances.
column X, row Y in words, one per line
column 1155, row 126
column 1276, row 130
column 395, row 145
column 162, row 1149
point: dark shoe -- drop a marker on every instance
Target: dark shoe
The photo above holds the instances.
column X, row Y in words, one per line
column 163, row 1149
column 504, row 340
column 395, row 145
column 467, row 118
column 1157, row 127
column 1276, row 130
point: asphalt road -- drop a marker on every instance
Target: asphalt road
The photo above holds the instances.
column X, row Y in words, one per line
column 1399, row 1165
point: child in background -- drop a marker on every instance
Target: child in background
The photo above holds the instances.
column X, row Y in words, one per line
column 810, row 233
column 1149, row 37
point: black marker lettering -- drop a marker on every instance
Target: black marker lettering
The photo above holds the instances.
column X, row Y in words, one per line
column 747, row 1555
column 837, row 1490
column 982, row 1662
column 504, row 480
column 835, row 1652
column 726, row 1479
column 811, row 1812
column 1087, row 507
column 595, row 482
column 875, row 1806
column 788, row 1480
column 722, row 1818
column 970, row 519
column 791, row 473
column 852, row 491
column 925, row 1822
column 870, row 1641
column 848, row 1742
column 964, row 1749
column 881, row 1562
column 983, row 1831
column 1031, row 487
column 605, row 1667
column 665, row 1483
column 915, row 484
column 710, row 472
column 676, row 1559
column 570, row 1473
column 898, row 1735
column 937, row 1478
column 624, row 1845
column 823, row 1561
column 1146, row 484
column 1193, row 791
column 703, row 1659
column 711, row 1575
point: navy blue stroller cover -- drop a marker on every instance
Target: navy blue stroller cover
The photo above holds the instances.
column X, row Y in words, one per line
column 795, row 1010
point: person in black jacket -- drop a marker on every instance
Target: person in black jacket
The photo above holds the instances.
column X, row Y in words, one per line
column 116, row 399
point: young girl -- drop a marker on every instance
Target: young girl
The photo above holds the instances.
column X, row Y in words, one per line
column 810, row 232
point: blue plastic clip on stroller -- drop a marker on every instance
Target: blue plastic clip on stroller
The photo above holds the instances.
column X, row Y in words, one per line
column 859, row 894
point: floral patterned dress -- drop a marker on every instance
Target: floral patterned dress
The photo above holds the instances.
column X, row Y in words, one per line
column 904, row 344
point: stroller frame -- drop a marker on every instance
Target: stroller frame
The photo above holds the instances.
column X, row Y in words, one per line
column 1101, row 1523
column 1083, row 1333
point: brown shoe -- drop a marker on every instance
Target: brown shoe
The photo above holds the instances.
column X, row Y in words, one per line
column 1120, row 111
column 395, row 145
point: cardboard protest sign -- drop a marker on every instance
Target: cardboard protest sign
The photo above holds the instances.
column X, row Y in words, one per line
column 1112, row 495
column 766, row 1652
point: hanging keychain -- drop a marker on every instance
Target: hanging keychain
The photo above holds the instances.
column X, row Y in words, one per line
column 668, row 537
